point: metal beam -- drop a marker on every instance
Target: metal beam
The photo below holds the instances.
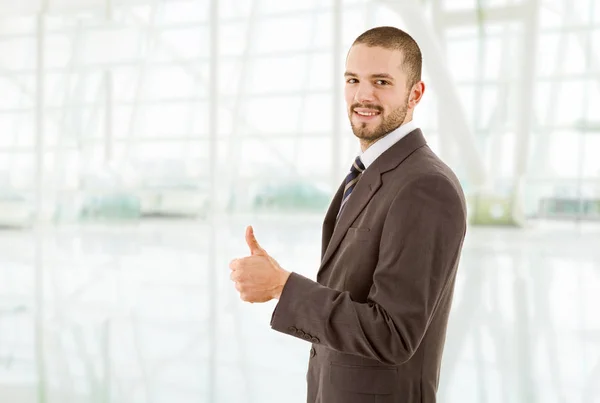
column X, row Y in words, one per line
column 150, row 44
column 57, row 7
column 213, row 129
column 276, row 16
column 39, row 316
column 524, row 107
column 108, row 117
column 337, row 93
column 108, row 97
column 304, row 93
column 234, row 147
column 441, row 79
column 488, row 15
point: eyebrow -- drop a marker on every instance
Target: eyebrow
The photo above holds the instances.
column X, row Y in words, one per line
column 378, row 75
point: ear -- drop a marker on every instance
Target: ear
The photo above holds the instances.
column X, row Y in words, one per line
column 416, row 93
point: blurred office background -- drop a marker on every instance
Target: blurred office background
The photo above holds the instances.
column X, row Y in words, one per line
column 138, row 138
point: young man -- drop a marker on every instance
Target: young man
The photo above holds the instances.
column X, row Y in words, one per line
column 392, row 238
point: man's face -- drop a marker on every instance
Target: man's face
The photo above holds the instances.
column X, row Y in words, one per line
column 375, row 91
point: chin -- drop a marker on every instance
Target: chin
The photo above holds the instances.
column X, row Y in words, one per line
column 363, row 134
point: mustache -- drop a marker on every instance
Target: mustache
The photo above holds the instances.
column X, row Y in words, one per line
column 367, row 106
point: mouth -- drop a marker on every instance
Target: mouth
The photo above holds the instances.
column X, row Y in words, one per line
column 364, row 114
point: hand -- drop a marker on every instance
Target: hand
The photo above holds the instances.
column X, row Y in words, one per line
column 258, row 277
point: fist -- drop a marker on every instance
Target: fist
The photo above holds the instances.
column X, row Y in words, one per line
column 258, row 277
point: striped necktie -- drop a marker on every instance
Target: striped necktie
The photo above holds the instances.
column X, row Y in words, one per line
column 351, row 180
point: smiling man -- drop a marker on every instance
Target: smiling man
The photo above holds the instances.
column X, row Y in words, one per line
column 380, row 81
column 376, row 317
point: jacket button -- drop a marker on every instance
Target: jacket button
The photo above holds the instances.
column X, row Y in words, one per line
column 312, row 352
column 315, row 340
column 300, row 333
column 307, row 337
column 292, row 329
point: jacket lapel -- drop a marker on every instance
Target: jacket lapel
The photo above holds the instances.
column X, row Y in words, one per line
column 363, row 192
column 329, row 221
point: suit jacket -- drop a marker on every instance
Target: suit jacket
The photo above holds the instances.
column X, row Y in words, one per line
column 377, row 315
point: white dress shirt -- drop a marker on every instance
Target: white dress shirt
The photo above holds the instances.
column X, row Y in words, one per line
column 384, row 143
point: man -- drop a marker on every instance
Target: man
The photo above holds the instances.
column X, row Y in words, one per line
column 392, row 237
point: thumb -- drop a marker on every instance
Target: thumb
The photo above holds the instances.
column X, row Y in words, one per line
column 255, row 248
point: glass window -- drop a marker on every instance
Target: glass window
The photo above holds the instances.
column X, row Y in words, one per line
column 180, row 43
column 113, row 45
column 564, row 153
column 569, row 108
column 573, row 53
column 455, row 5
column 269, row 36
column 277, row 6
column 273, row 114
column 277, row 74
column 183, row 11
column 462, row 59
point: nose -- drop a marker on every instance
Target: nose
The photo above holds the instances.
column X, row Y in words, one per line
column 364, row 93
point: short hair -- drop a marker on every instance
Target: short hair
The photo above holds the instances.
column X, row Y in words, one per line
column 396, row 39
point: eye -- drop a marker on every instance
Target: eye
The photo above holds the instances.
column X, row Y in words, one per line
column 351, row 81
column 382, row 82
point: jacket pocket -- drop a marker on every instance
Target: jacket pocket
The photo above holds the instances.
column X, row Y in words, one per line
column 361, row 379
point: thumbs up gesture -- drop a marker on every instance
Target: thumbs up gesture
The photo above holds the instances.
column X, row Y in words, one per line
column 258, row 277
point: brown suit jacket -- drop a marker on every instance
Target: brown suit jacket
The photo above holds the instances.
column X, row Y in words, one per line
column 377, row 315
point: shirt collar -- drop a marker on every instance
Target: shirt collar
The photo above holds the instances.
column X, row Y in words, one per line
column 381, row 145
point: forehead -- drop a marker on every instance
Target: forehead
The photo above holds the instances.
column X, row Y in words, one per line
column 367, row 60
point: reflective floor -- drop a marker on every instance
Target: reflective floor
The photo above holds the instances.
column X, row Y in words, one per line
column 144, row 312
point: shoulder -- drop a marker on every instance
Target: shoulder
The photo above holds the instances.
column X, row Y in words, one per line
column 425, row 167
column 424, row 182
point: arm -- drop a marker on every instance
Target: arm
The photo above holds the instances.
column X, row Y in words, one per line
column 420, row 244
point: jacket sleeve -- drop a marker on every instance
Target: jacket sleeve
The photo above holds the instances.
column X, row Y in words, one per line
column 420, row 245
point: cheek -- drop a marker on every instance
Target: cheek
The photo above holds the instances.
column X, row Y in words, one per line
column 349, row 96
column 391, row 104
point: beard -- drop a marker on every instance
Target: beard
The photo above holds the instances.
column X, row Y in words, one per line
column 388, row 123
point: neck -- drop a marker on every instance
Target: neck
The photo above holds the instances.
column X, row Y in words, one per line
column 364, row 144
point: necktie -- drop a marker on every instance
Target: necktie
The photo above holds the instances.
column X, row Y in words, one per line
column 352, row 178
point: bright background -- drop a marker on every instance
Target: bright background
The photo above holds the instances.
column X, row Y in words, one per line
column 138, row 138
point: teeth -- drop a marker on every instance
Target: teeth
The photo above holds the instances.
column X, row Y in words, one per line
column 367, row 113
